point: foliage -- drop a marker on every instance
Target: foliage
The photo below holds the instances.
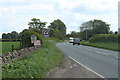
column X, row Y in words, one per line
column 26, row 37
column 36, row 24
column 73, row 34
column 107, row 38
column 94, row 27
column 57, row 29
column 12, row 35
column 35, row 65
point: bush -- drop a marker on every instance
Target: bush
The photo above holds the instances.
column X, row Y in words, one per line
column 10, row 40
column 26, row 37
column 107, row 38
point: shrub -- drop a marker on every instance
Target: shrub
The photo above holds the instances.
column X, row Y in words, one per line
column 106, row 38
column 26, row 37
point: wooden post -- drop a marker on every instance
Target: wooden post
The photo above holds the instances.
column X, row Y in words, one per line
column 12, row 47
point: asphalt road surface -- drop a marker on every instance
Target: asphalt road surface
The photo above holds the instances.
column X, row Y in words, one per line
column 101, row 61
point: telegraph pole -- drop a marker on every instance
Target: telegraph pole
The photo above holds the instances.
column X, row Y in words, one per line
column 86, row 33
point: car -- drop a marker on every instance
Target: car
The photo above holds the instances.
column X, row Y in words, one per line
column 71, row 40
column 76, row 41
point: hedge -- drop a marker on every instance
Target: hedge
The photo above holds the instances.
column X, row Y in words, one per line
column 107, row 38
column 10, row 40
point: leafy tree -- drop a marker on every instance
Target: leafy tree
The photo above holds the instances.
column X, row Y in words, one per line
column 57, row 29
column 75, row 34
column 68, row 35
column 14, row 35
column 19, row 35
column 111, row 32
column 94, row 27
column 4, row 36
column 9, row 36
column 26, row 37
column 36, row 24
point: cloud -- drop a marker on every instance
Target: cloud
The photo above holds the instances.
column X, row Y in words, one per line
column 32, row 7
column 71, row 12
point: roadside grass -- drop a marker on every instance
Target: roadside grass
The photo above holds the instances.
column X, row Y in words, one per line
column 7, row 46
column 36, row 64
column 109, row 46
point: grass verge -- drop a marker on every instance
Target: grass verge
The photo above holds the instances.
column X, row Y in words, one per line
column 109, row 46
column 7, row 46
column 35, row 64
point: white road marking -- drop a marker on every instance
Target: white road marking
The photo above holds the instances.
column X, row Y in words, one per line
column 87, row 68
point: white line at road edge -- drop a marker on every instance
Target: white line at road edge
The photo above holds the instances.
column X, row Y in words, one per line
column 86, row 67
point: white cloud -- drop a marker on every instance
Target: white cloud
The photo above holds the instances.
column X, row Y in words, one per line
column 101, row 5
column 74, row 24
column 17, row 16
column 97, row 5
column 37, row 7
column 68, row 5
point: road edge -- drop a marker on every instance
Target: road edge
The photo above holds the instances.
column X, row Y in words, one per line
column 86, row 67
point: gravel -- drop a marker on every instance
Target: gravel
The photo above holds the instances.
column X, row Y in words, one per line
column 70, row 69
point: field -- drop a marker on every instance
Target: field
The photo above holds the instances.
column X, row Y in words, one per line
column 7, row 46
column 35, row 65
column 110, row 46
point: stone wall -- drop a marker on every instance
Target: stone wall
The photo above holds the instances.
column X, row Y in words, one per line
column 16, row 54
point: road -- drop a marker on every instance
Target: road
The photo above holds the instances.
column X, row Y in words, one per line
column 101, row 61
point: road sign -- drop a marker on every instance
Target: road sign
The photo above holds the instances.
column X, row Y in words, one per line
column 33, row 38
column 37, row 42
column 45, row 33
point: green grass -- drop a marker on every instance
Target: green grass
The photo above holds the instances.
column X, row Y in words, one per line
column 7, row 46
column 109, row 46
column 36, row 64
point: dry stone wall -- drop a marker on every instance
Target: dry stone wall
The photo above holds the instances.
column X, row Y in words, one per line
column 16, row 54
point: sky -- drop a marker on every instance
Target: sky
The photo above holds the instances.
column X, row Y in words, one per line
column 15, row 14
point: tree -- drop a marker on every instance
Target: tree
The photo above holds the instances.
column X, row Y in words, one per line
column 111, row 32
column 26, row 37
column 36, row 24
column 4, row 36
column 94, row 27
column 57, row 29
column 74, row 34
column 14, row 35
column 9, row 36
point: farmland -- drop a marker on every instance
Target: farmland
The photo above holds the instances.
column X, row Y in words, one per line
column 7, row 46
